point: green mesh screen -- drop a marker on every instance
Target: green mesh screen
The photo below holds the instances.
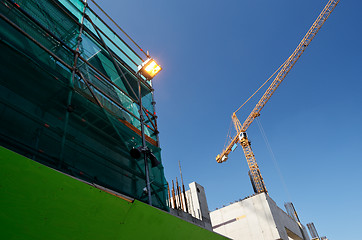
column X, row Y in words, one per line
column 53, row 118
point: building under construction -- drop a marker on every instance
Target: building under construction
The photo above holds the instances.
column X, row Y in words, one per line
column 80, row 155
column 76, row 111
column 70, row 96
column 254, row 217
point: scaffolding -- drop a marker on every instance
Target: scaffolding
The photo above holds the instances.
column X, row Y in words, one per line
column 69, row 96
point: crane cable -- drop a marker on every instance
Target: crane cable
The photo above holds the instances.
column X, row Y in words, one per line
column 260, row 86
column 228, row 135
column 276, row 165
column 120, row 28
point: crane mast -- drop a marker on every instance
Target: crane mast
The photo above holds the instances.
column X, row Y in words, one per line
column 241, row 137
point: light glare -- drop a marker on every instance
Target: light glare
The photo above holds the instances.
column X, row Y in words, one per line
column 150, row 69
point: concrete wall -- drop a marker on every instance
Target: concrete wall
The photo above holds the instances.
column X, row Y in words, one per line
column 197, row 203
column 250, row 218
column 287, row 227
column 255, row 218
column 188, row 217
column 197, row 209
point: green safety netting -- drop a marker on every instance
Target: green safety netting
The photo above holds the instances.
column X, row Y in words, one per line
column 83, row 124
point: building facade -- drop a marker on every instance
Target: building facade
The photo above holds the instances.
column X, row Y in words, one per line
column 256, row 218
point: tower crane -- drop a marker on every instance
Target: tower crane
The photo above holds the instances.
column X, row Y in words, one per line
column 241, row 137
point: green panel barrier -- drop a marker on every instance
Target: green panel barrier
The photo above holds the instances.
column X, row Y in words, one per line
column 40, row 203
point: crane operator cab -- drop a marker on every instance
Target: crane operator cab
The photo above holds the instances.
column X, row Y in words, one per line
column 242, row 135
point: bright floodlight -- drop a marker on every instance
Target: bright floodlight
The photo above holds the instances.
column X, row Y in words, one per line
column 149, row 68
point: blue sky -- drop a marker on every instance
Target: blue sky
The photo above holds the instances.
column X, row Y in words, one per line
column 215, row 54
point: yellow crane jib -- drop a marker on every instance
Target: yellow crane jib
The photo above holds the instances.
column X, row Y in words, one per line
column 241, row 137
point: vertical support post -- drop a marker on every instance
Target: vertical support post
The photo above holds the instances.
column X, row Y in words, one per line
column 178, row 191
column 145, row 150
column 173, row 196
column 183, row 187
column 313, row 231
column 71, row 85
column 38, row 133
column 154, row 114
column 169, row 195
column 144, row 147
